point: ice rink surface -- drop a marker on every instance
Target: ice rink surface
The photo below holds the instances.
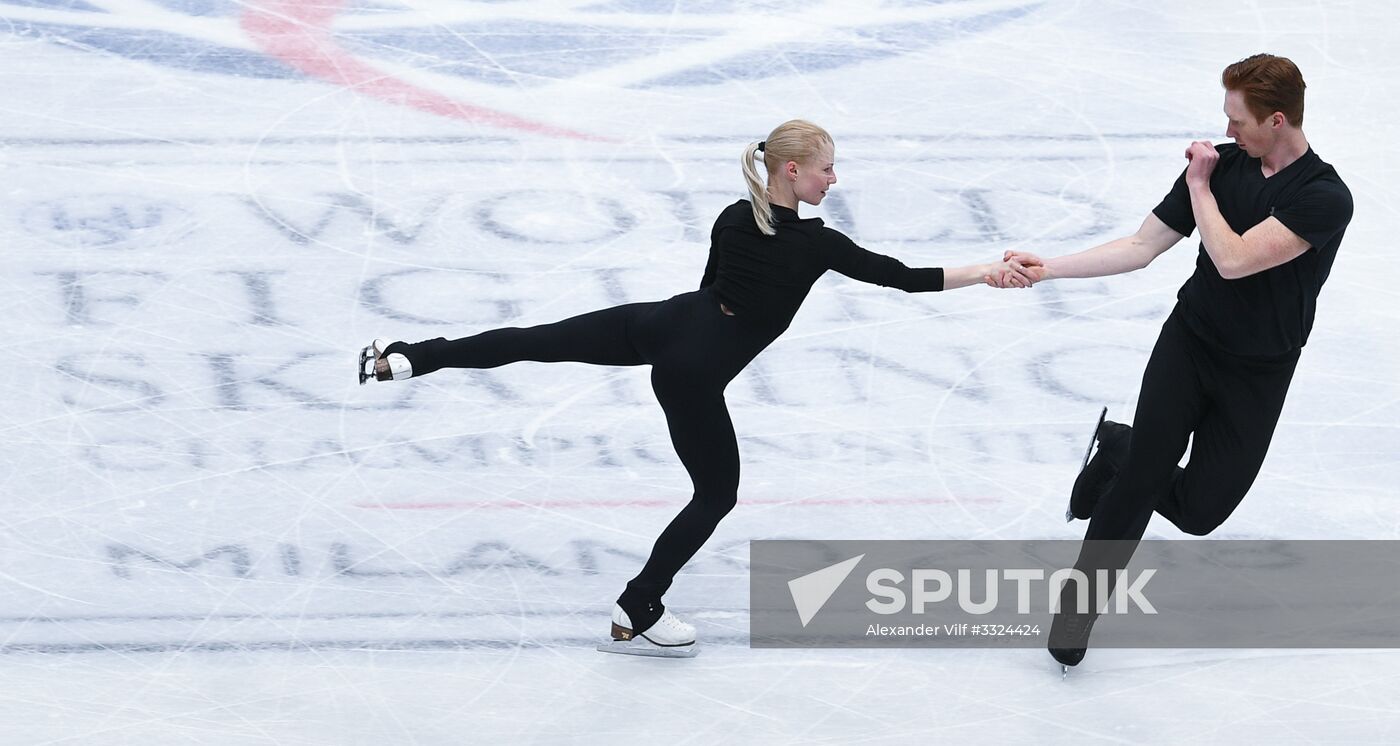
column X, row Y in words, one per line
column 213, row 535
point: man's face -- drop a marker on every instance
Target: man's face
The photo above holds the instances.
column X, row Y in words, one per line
column 1253, row 136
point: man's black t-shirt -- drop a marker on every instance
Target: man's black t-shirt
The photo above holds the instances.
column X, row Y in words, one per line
column 1271, row 312
column 764, row 279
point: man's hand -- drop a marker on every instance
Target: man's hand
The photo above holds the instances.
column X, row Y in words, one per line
column 1016, row 270
column 1203, row 157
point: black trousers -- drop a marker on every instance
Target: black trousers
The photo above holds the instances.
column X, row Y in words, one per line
column 695, row 350
column 1228, row 404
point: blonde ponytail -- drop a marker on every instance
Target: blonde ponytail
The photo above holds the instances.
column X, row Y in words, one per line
column 795, row 140
column 758, row 193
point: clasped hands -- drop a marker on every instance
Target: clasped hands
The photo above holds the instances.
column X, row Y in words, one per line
column 1017, row 269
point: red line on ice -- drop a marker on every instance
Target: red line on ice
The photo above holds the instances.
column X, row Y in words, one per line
column 297, row 32
column 659, row 503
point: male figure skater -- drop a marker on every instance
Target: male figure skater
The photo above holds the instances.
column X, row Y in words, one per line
column 1271, row 214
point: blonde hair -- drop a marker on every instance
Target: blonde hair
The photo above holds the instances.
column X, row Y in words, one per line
column 795, row 140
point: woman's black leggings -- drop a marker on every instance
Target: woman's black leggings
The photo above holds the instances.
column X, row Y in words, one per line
column 695, row 350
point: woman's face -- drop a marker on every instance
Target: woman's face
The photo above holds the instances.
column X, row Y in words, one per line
column 815, row 176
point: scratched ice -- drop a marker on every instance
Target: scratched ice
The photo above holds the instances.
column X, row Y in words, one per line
column 213, row 535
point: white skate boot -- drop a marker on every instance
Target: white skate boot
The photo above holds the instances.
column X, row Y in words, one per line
column 668, row 638
column 375, row 364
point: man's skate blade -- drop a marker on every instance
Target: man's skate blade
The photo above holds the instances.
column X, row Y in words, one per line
column 639, row 646
column 1094, row 438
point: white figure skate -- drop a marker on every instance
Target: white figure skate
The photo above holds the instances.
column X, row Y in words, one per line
column 668, row 638
column 375, row 364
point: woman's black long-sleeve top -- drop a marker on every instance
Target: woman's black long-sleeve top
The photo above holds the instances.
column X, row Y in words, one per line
column 764, row 279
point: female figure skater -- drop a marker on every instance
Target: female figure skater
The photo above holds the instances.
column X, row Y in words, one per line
column 763, row 261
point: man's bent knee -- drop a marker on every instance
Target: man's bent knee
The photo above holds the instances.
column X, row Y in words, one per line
column 1200, row 525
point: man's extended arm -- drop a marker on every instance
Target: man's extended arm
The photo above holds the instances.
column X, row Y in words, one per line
column 1131, row 252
